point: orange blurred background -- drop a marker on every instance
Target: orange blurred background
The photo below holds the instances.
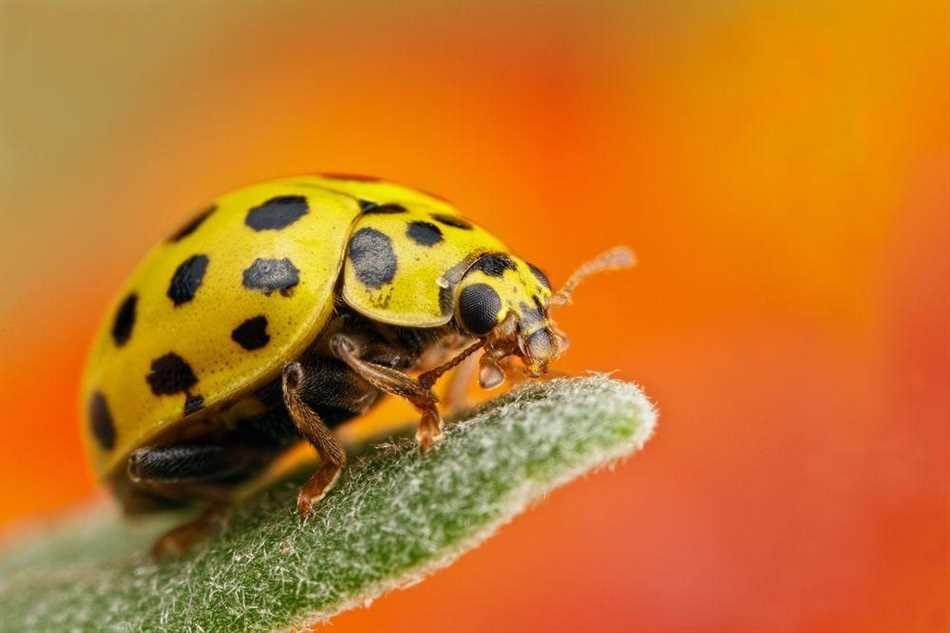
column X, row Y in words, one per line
column 782, row 169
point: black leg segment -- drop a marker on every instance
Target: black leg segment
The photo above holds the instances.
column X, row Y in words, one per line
column 192, row 462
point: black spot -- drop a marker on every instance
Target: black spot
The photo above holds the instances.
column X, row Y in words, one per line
column 479, row 306
column 495, row 264
column 451, row 220
column 371, row 208
column 539, row 274
column 194, row 403
column 103, row 427
column 192, row 224
column 124, row 320
column 373, row 258
column 268, row 275
column 187, row 279
column 252, row 334
column 357, row 177
column 277, row 213
column 424, row 233
column 170, row 375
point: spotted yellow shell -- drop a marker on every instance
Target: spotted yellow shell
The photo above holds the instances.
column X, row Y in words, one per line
column 216, row 310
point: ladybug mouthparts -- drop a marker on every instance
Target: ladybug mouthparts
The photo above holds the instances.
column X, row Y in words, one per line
column 531, row 334
column 536, row 349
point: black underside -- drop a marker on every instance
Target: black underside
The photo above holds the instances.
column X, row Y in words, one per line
column 330, row 388
column 227, row 457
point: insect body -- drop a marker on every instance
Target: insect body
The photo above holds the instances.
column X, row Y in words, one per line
column 284, row 309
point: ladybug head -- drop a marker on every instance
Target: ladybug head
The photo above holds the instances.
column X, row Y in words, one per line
column 504, row 301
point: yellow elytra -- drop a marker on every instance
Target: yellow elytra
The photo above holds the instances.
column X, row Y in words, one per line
column 215, row 311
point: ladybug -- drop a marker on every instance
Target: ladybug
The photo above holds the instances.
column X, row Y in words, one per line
column 284, row 309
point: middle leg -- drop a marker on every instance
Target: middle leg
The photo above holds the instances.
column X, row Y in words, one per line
column 328, row 447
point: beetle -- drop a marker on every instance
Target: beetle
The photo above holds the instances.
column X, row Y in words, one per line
column 282, row 310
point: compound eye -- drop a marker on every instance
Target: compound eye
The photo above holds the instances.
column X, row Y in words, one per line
column 478, row 308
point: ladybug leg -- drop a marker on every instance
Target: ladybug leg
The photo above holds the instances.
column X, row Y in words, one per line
column 397, row 383
column 186, row 491
column 178, row 540
column 187, row 472
column 328, row 447
column 190, row 463
column 455, row 396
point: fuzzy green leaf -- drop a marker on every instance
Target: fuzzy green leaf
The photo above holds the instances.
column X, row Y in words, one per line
column 394, row 517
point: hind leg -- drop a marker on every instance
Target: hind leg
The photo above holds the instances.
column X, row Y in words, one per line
column 179, row 540
column 188, row 472
column 455, row 396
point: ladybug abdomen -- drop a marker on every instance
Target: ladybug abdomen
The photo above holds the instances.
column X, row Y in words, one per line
column 214, row 312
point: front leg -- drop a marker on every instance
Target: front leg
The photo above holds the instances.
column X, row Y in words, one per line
column 455, row 396
column 328, row 447
column 397, row 383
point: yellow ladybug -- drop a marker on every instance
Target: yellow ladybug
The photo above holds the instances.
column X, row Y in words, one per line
column 286, row 308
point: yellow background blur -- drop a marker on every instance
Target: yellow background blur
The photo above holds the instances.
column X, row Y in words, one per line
column 782, row 169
